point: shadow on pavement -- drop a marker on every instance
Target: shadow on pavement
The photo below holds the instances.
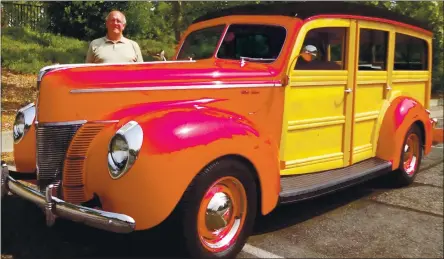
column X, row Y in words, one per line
column 24, row 233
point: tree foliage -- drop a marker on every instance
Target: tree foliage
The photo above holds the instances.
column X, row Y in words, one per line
column 163, row 22
column 429, row 12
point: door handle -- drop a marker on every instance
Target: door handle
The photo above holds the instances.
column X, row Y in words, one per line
column 348, row 90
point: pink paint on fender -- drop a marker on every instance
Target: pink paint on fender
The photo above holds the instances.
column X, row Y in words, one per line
column 182, row 129
column 145, row 108
column 402, row 110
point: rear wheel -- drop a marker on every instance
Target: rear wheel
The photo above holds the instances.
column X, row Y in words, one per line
column 217, row 211
column 411, row 156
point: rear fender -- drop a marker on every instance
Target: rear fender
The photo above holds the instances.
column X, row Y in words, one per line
column 401, row 114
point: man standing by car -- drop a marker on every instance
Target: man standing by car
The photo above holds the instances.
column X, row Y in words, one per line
column 114, row 48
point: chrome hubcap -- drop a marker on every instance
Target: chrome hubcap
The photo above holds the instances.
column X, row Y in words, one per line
column 411, row 154
column 222, row 214
column 219, row 212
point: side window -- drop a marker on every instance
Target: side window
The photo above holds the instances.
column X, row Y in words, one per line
column 373, row 45
column 330, row 43
column 410, row 53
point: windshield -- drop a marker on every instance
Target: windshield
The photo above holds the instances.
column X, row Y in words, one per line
column 252, row 42
column 260, row 43
column 201, row 44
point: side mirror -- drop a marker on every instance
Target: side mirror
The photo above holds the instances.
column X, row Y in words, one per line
column 309, row 52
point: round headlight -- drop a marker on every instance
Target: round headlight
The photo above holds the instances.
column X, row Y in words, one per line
column 18, row 130
column 23, row 121
column 124, row 148
column 118, row 154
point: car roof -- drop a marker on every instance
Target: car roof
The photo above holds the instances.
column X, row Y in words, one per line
column 307, row 9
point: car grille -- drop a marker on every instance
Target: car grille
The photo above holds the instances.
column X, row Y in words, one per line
column 74, row 167
column 52, row 144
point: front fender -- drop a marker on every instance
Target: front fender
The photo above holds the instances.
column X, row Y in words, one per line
column 400, row 115
column 178, row 144
column 25, row 152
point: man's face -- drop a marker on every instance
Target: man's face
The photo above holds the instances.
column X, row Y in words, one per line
column 114, row 24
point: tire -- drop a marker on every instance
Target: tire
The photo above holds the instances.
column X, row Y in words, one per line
column 220, row 180
column 411, row 156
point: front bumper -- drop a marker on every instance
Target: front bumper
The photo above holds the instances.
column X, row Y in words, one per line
column 54, row 207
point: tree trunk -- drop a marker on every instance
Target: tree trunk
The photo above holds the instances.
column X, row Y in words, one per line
column 178, row 19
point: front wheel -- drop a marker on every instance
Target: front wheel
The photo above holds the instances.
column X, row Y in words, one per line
column 411, row 156
column 218, row 210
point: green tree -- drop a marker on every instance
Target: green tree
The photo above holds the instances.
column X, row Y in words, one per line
column 431, row 13
column 81, row 20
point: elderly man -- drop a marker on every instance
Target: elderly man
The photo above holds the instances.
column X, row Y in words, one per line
column 114, row 48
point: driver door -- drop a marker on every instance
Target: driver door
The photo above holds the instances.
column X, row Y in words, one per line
column 318, row 99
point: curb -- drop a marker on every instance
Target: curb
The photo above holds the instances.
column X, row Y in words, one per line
column 436, row 102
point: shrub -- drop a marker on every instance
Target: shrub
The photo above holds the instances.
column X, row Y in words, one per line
column 27, row 51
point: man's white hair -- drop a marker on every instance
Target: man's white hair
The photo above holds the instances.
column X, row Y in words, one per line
column 123, row 20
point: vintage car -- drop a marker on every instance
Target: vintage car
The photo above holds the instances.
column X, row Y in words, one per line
column 262, row 105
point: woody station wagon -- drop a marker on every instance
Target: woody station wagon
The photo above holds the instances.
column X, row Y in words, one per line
column 261, row 105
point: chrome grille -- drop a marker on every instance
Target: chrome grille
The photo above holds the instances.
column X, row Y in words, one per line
column 52, row 144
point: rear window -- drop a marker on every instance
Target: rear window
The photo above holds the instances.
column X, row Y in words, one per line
column 410, row 53
column 257, row 43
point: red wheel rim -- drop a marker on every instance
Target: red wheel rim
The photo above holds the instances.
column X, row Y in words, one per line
column 222, row 214
column 411, row 154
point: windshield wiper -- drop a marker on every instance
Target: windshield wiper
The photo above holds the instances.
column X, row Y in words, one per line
column 257, row 59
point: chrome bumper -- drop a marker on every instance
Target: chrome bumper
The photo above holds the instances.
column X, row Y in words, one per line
column 54, row 207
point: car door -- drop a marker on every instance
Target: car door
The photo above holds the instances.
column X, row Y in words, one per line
column 316, row 133
column 372, row 86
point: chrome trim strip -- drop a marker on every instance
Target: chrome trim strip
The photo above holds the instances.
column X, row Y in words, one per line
column 105, row 121
column 53, row 207
column 176, row 87
column 52, row 67
column 62, row 123
column 73, row 122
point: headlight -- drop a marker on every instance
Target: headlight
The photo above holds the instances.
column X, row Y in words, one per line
column 23, row 121
column 124, row 148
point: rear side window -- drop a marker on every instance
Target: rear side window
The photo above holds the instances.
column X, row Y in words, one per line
column 410, row 53
column 257, row 43
column 373, row 45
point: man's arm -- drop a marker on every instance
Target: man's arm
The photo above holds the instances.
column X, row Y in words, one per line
column 90, row 55
column 138, row 52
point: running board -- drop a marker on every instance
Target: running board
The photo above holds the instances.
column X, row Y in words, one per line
column 301, row 187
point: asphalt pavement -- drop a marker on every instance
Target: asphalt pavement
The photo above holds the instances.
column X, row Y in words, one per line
column 366, row 221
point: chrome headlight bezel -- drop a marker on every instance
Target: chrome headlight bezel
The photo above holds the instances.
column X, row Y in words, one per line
column 132, row 136
column 26, row 116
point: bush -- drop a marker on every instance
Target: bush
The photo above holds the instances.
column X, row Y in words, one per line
column 27, row 51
